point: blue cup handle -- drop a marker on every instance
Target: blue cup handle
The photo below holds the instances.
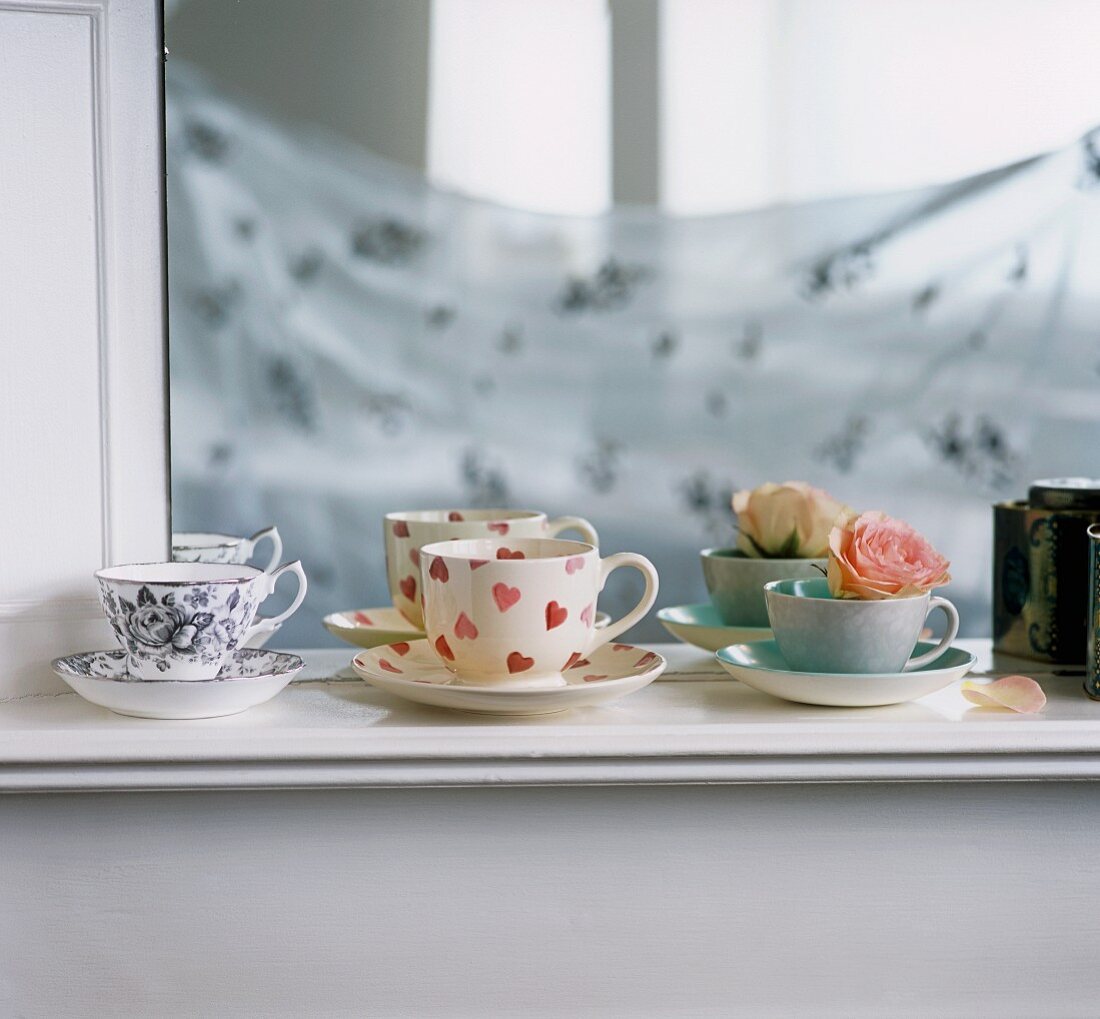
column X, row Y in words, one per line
column 952, row 632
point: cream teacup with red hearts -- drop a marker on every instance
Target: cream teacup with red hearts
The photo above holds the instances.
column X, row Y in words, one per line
column 517, row 614
column 407, row 531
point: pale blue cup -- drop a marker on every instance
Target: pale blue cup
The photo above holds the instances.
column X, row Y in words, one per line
column 819, row 633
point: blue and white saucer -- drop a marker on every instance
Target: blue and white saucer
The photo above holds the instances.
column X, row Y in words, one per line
column 249, row 677
column 702, row 626
column 761, row 666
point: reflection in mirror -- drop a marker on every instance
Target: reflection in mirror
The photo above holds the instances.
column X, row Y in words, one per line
column 616, row 259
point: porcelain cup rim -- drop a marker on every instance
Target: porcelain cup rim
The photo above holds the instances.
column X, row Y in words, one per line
column 202, row 573
column 487, row 547
column 772, row 591
column 191, row 543
column 473, row 515
column 721, row 552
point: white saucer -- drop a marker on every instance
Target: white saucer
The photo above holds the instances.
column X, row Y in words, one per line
column 702, row 626
column 249, row 678
column 376, row 627
column 761, row 666
column 412, row 671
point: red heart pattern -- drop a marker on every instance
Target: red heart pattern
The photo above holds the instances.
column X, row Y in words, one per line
column 400, row 529
column 573, row 659
column 507, row 553
column 519, row 663
column 648, row 657
column 414, row 557
column 362, row 617
column 505, row 596
column 408, row 587
column 383, row 664
column 438, row 571
column 588, row 614
column 574, row 563
column 555, row 615
column 594, row 679
column 464, row 627
column 499, row 527
column 401, row 648
column 444, row 648
column 476, row 564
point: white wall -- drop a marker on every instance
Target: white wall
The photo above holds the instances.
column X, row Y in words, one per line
column 83, row 444
column 883, row 900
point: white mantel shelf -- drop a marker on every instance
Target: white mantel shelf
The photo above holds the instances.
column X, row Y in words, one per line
column 695, row 726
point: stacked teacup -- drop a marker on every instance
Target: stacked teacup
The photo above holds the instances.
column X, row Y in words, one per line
column 211, row 547
column 503, row 607
column 783, row 533
column 184, row 629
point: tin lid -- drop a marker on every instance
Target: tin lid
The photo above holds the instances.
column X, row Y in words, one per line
column 1065, row 494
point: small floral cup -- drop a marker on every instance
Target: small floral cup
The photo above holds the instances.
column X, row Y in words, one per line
column 207, row 547
column 181, row 620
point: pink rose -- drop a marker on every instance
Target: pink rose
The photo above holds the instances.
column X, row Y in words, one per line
column 874, row 556
column 788, row 521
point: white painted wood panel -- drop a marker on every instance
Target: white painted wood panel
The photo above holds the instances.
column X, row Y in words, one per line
column 82, row 388
column 893, row 900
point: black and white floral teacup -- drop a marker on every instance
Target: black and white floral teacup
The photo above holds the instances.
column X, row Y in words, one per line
column 181, row 620
column 207, row 547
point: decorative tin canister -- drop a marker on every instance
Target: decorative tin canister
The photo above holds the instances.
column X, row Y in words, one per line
column 1092, row 650
column 1040, row 553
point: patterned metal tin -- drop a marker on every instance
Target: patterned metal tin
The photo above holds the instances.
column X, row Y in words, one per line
column 1092, row 651
column 1039, row 579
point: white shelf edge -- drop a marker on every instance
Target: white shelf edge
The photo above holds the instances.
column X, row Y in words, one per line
column 272, row 775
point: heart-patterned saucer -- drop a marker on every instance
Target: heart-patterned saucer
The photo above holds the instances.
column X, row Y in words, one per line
column 701, row 626
column 248, row 678
column 412, row 671
column 762, row 666
column 376, row 627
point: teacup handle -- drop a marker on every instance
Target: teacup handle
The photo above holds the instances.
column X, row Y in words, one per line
column 272, row 579
column 558, row 524
column 649, row 571
column 952, row 632
column 276, row 542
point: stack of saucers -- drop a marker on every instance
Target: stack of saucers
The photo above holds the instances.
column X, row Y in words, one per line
column 847, row 653
column 183, row 627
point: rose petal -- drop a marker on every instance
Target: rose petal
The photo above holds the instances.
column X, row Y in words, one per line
column 1017, row 693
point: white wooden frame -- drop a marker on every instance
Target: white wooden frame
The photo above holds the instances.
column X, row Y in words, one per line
column 770, row 888
column 82, row 82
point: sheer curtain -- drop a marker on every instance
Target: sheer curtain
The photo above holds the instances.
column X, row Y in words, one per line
column 348, row 338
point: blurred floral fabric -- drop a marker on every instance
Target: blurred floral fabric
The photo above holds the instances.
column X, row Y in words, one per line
column 347, row 339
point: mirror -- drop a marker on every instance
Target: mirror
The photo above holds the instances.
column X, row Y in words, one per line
column 617, row 259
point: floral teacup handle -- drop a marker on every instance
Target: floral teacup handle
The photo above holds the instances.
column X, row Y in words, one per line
column 267, row 625
column 649, row 571
column 276, row 542
column 558, row 524
column 952, row 632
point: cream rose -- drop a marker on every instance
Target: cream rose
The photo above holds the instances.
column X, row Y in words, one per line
column 788, row 521
column 874, row 556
